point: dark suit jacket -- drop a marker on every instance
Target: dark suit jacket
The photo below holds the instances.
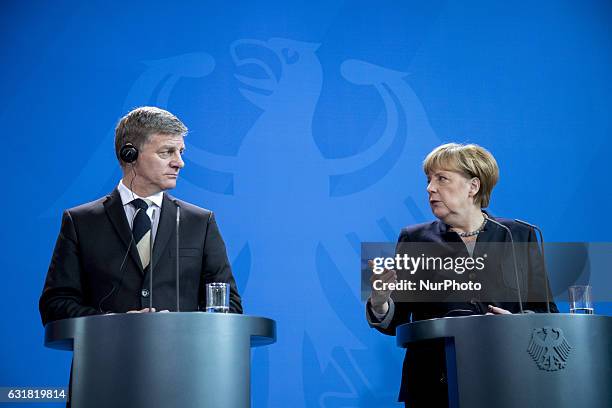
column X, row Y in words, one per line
column 424, row 369
column 86, row 275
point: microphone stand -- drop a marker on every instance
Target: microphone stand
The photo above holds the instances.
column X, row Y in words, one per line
column 535, row 227
column 151, row 263
column 518, row 284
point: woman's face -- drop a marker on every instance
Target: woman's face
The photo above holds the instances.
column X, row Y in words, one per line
column 451, row 194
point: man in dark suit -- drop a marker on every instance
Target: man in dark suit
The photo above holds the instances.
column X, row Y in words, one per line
column 102, row 263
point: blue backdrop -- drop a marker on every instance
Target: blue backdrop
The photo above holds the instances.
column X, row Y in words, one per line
column 308, row 123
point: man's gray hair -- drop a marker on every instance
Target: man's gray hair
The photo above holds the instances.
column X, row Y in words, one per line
column 140, row 123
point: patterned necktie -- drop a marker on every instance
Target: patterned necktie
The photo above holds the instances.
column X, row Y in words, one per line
column 141, row 230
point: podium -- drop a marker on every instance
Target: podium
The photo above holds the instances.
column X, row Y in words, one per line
column 161, row 359
column 530, row 360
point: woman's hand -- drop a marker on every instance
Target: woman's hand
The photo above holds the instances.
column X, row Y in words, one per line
column 497, row 310
column 379, row 299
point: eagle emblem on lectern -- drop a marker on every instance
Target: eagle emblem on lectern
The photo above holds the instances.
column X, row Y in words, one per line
column 549, row 348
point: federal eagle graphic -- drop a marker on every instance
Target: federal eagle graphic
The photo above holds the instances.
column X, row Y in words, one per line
column 293, row 213
column 549, row 348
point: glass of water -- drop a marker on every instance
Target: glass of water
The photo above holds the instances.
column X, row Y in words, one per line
column 217, row 297
column 580, row 301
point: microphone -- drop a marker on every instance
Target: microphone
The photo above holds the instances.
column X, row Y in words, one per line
column 178, row 222
column 535, row 227
column 518, row 284
column 120, row 268
column 151, row 262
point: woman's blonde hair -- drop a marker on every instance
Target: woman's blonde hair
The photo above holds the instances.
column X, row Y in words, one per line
column 469, row 159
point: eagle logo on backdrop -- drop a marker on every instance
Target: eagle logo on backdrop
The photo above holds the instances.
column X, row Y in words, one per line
column 299, row 212
column 549, row 348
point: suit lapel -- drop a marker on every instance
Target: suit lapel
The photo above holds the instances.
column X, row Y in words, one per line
column 116, row 214
column 165, row 228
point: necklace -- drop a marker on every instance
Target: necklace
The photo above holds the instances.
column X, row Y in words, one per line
column 475, row 232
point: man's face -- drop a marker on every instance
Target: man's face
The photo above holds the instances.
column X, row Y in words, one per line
column 158, row 164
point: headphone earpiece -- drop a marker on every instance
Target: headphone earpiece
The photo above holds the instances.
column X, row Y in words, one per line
column 128, row 153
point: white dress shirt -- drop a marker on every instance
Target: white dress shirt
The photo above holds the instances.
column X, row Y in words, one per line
column 154, row 201
column 384, row 320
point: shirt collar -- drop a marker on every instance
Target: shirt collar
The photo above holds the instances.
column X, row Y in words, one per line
column 127, row 195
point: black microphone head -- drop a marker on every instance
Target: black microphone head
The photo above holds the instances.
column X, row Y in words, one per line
column 525, row 223
column 178, row 210
column 499, row 224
